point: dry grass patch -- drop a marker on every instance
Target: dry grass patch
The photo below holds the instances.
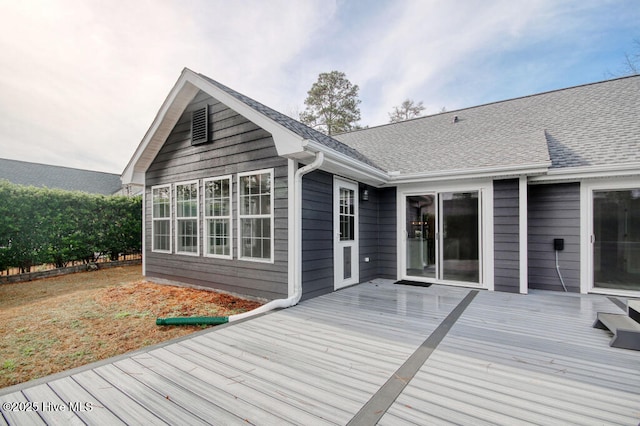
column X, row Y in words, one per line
column 59, row 323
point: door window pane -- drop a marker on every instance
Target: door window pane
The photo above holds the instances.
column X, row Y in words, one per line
column 460, row 236
column 616, row 250
column 347, row 215
column 421, row 236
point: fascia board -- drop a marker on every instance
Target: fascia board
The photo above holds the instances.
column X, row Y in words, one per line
column 172, row 108
column 339, row 163
column 576, row 173
column 529, row 169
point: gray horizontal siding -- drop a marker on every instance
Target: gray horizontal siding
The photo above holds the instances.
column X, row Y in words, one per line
column 554, row 212
column 317, row 234
column 369, row 235
column 387, row 261
column 506, row 244
column 237, row 145
column 377, row 234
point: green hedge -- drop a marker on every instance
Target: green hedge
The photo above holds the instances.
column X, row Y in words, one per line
column 40, row 226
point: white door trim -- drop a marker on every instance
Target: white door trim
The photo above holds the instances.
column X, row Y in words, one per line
column 338, row 246
column 586, row 231
column 485, row 211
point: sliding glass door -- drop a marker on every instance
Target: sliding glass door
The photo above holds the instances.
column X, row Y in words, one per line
column 460, row 236
column 421, row 236
column 616, row 239
column 443, row 236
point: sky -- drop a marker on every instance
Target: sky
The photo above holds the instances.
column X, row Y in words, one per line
column 82, row 80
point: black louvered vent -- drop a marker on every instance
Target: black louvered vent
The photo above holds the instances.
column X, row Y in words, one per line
column 200, row 126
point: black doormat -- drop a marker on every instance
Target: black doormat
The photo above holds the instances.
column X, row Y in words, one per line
column 416, row 283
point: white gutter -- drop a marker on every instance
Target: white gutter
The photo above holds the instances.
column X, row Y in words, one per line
column 297, row 249
column 601, row 171
column 515, row 170
column 342, row 164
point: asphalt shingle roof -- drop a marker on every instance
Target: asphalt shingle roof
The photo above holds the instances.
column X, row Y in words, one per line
column 56, row 177
column 295, row 126
column 589, row 125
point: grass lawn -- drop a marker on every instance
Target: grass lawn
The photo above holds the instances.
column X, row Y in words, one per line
column 55, row 324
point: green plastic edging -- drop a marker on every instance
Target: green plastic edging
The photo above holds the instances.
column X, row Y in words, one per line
column 192, row 321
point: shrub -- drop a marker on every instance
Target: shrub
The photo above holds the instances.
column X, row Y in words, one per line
column 40, row 225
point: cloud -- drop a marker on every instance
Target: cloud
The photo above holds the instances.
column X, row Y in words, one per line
column 82, row 80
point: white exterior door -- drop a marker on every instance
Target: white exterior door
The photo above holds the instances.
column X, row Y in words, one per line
column 345, row 226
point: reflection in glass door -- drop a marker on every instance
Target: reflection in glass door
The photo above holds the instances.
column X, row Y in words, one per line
column 460, row 241
column 616, row 249
column 443, row 236
column 421, row 236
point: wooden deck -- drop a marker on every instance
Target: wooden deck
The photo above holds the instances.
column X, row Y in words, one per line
column 504, row 359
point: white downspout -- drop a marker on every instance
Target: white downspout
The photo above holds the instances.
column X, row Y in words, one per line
column 297, row 248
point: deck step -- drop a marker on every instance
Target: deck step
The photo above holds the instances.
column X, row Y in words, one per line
column 626, row 331
column 633, row 306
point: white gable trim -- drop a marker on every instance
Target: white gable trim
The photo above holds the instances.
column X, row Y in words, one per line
column 182, row 93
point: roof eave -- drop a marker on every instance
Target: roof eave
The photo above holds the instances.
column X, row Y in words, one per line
column 589, row 172
column 477, row 173
column 341, row 164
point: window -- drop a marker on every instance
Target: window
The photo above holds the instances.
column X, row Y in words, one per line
column 255, row 213
column 217, row 216
column 200, row 126
column 187, row 236
column 161, row 218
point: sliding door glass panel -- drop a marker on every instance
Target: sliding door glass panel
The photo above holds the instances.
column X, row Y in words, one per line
column 421, row 236
column 616, row 251
column 460, row 236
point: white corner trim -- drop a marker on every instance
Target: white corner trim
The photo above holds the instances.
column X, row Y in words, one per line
column 523, row 222
column 293, row 218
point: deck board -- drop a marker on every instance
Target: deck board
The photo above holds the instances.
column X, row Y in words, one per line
column 526, row 359
column 534, row 361
column 50, row 413
column 69, row 390
column 228, row 407
column 26, row 417
column 114, row 397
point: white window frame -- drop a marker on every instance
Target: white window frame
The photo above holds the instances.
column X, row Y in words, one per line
column 242, row 216
column 155, row 219
column 228, row 217
column 587, row 187
column 179, row 218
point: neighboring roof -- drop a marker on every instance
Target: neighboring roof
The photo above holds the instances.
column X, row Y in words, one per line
column 591, row 125
column 57, row 177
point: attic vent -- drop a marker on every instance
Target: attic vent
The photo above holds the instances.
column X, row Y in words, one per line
column 200, row 126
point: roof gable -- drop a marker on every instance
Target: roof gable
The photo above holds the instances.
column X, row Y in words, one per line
column 291, row 137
